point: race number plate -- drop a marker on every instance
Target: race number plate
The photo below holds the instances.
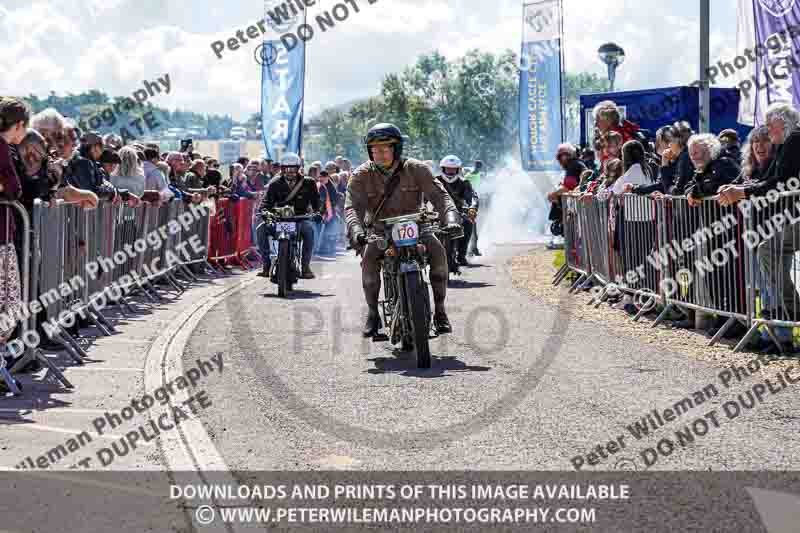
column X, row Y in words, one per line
column 405, row 234
column 286, row 227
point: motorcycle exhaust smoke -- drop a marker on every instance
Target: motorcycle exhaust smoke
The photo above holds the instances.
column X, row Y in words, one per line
column 514, row 206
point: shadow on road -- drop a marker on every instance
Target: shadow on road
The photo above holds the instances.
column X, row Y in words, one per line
column 406, row 365
column 460, row 284
column 297, row 295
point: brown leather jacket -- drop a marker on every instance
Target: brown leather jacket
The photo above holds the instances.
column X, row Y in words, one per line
column 365, row 189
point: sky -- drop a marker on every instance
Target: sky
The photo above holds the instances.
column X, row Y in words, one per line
column 114, row 45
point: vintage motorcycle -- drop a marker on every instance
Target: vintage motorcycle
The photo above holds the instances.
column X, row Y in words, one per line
column 406, row 306
column 286, row 268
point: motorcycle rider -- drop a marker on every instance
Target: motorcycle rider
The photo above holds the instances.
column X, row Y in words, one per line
column 465, row 198
column 289, row 188
column 408, row 180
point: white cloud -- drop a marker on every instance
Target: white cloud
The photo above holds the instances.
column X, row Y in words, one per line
column 113, row 45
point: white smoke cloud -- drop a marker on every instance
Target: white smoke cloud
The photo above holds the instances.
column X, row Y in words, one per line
column 518, row 209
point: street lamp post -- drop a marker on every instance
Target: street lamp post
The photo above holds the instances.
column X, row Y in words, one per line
column 613, row 56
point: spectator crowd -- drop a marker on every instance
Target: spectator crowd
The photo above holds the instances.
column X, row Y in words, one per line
column 47, row 157
column 677, row 162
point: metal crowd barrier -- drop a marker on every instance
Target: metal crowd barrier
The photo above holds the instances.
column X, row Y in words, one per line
column 692, row 258
column 84, row 260
column 704, row 260
column 576, row 251
column 771, row 240
column 222, row 233
column 244, row 213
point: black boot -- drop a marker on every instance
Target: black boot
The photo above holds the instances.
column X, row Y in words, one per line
column 441, row 323
column 373, row 324
column 307, row 273
column 264, row 271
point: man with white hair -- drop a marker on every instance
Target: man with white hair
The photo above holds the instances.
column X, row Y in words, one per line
column 608, row 118
column 713, row 169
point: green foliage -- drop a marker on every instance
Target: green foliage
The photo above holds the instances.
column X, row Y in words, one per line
column 468, row 107
column 574, row 86
column 88, row 104
column 439, row 106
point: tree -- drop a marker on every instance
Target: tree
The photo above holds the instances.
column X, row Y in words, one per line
column 574, row 86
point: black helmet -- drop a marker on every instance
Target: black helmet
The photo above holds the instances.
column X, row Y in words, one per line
column 385, row 133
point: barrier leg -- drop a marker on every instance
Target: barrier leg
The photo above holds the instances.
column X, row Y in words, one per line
column 9, row 381
column 718, row 335
column 126, row 305
column 45, row 361
column 663, row 315
column 151, row 293
column 560, row 274
column 645, row 308
column 598, row 297
column 774, row 339
column 71, row 346
column 174, row 282
column 189, row 274
column 746, row 339
column 91, row 318
column 603, row 297
column 101, row 318
column 560, row 277
column 577, row 283
column 211, row 269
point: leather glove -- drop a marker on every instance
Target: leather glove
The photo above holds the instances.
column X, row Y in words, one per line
column 317, row 218
column 361, row 239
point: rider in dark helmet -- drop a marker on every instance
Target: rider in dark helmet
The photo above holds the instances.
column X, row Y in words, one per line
column 365, row 191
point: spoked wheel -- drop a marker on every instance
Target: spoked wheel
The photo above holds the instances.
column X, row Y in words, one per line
column 419, row 316
column 283, row 269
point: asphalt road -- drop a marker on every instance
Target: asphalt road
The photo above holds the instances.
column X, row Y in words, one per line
column 517, row 385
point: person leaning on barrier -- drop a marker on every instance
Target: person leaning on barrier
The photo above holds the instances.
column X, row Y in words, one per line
column 109, row 161
column 84, row 171
column 757, row 155
column 712, row 168
column 154, row 177
column 783, row 127
column 666, row 169
column 61, row 138
column 634, row 167
column 567, row 157
column 678, row 151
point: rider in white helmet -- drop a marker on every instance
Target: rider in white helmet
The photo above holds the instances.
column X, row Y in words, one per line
column 464, row 196
column 304, row 199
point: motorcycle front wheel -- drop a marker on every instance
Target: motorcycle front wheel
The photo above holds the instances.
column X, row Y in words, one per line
column 418, row 316
column 283, row 268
